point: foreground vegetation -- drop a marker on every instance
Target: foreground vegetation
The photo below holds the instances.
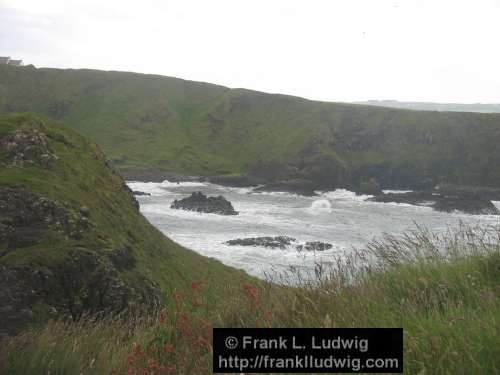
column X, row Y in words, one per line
column 442, row 289
column 146, row 122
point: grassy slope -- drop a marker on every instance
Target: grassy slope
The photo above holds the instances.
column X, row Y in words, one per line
column 81, row 177
column 144, row 121
column 449, row 308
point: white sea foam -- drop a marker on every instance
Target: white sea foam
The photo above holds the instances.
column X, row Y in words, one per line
column 167, row 184
column 344, row 195
column 389, row 191
column 276, row 193
column 321, row 205
column 238, row 190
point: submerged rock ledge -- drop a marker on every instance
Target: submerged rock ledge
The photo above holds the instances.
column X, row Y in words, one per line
column 279, row 242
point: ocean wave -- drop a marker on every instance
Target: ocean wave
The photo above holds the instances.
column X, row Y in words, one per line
column 167, row 184
column 344, row 195
column 237, row 190
column 277, row 193
column 320, row 206
column 392, row 191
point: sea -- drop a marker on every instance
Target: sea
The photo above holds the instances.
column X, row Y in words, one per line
column 341, row 218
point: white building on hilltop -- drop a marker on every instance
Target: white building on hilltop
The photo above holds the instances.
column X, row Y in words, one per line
column 5, row 60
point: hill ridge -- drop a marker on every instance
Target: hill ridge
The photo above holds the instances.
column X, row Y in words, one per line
column 155, row 123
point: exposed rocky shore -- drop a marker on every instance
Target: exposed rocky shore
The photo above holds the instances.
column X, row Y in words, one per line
column 140, row 193
column 448, row 198
column 468, row 200
column 279, row 242
column 199, row 202
column 300, row 187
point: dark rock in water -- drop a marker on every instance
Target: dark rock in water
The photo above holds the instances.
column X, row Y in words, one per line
column 470, row 202
column 199, row 202
column 314, row 246
column 481, row 192
column 301, row 187
column 137, row 192
column 271, row 242
column 414, row 197
column 369, row 187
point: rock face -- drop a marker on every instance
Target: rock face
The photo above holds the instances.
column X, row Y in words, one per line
column 199, row 202
column 27, row 146
column 25, row 216
column 280, row 242
column 81, row 282
column 470, row 202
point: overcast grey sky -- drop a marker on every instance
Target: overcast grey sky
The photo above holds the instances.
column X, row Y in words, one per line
column 334, row 50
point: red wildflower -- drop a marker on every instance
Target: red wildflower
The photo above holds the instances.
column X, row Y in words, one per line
column 177, row 297
column 137, row 350
column 202, row 341
column 250, row 290
column 152, row 364
column 163, row 315
column 169, row 348
column 196, row 286
column 182, row 319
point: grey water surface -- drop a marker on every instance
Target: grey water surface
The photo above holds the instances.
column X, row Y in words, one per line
column 338, row 217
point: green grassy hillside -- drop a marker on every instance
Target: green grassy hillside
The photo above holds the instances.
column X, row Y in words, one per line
column 72, row 240
column 145, row 122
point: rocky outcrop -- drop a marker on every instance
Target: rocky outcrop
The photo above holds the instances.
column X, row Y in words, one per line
column 314, row 246
column 82, row 282
column 140, row 193
column 26, row 216
column 130, row 194
column 470, row 202
column 27, row 146
column 367, row 187
column 301, row 187
column 280, row 242
column 199, row 202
